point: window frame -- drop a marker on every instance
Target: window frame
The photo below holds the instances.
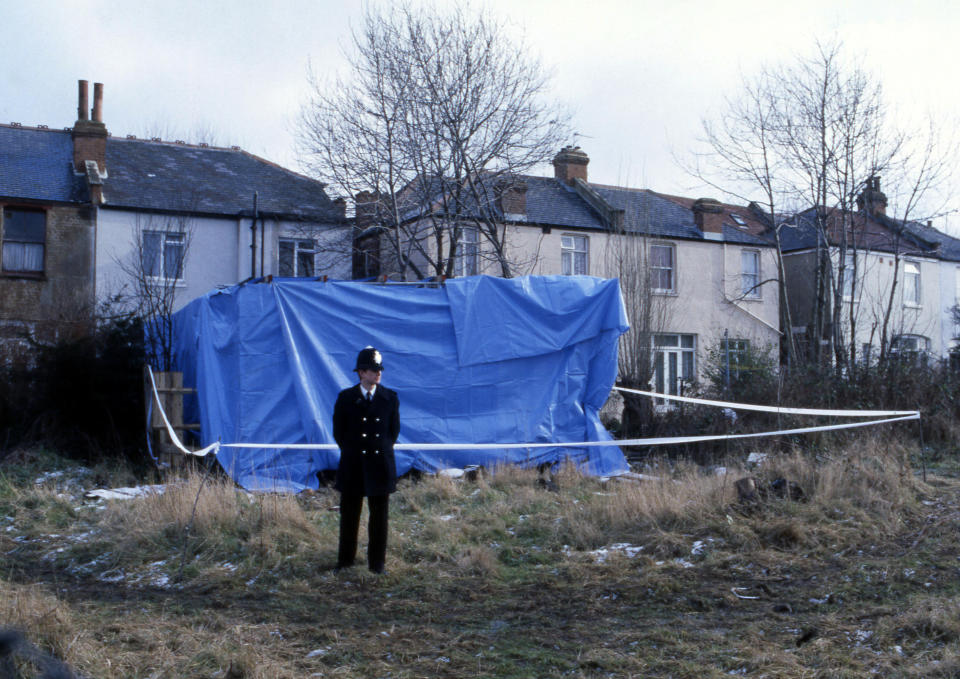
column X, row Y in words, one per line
column 569, row 254
column 5, row 240
column 848, row 276
column 166, row 239
column 750, row 291
column 466, row 260
column 656, row 269
column 916, row 287
column 674, row 358
column 301, row 246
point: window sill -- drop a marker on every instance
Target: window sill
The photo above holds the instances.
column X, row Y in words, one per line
column 665, row 293
column 166, row 282
column 912, row 305
column 25, row 275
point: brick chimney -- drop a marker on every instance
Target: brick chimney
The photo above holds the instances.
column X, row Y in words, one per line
column 708, row 216
column 513, row 199
column 872, row 200
column 569, row 164
column 90, row 136
column 365, row 208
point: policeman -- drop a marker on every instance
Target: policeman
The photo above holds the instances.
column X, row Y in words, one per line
column 366, row 423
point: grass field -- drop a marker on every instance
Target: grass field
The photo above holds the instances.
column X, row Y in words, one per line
column 498, row 577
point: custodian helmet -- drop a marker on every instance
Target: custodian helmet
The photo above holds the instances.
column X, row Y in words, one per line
column 369, row 359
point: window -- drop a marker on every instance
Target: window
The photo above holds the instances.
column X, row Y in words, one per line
column 662, row 268
column 573, row 255
column 163, row 254
column 673, row 362
column 296, row 258
column 734, row 356
column 468, row 252
column 23, row 235
column 750, row 273
column 910, row 347
column 738, row 219
column 911, row 283
column 848, row 275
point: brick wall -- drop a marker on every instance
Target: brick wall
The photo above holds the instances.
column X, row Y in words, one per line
column 60, row 303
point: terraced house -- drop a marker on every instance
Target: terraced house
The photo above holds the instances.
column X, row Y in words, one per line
column 89, row 218
column 706, row 271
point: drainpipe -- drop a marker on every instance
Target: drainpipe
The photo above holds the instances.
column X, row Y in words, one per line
column 253, row 239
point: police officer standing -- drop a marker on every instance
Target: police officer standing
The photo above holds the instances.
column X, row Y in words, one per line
column 366, row 423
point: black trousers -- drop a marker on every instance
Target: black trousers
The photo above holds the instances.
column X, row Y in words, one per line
column 350, row 506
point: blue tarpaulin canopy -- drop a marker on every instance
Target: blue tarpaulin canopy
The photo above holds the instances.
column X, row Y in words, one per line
column 477, row 360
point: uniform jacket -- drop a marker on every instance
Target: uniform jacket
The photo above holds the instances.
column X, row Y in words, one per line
column 366, row 434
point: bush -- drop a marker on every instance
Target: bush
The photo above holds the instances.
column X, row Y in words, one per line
column 82, row 397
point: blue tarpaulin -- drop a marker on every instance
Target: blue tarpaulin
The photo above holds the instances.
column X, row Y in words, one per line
column 477, row 360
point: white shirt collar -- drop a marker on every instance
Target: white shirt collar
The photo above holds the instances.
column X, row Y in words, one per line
column 373, row 390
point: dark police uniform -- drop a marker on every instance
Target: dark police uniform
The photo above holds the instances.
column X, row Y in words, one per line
column 365, row 431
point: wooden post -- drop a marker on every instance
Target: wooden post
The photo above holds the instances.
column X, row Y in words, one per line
column 170, row 391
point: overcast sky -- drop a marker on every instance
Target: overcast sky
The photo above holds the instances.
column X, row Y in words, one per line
column 637, row 76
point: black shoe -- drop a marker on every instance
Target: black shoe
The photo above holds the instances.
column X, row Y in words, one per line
column 342, row 566
column 379, row 570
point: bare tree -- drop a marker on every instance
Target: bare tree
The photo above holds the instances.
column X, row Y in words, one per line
column 153, row 268
column 816, row 134
column 439, row 114
column 628, row 258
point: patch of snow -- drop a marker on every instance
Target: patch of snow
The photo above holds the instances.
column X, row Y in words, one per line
column 820, row 601
column 316, row 653
column 756, row 458
column 451, row 473
column 683, row 563
column 47, row 476
column 600, row 555
column 909, row 572
column 447, row 517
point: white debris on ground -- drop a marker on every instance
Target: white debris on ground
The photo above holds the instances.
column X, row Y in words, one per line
column 756, row 459
column 124, row 493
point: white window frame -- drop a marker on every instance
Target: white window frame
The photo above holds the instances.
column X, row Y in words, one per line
column 738, row 351
column 656, row 270
column 848, row 276
column 467, row 259
column 674, row 363
column 750, row 280
column 157, row 269
column 301, row 247
column 912, row 282
column 574, row 254
column 23, row 255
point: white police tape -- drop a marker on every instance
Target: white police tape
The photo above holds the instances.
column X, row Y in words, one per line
column 900, row 416
column 667, row 440
column 773, row 409
column 213, row 447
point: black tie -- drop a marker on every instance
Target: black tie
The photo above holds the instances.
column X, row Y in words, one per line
column 369, row 397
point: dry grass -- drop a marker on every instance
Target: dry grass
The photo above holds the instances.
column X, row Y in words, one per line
column 506, row 577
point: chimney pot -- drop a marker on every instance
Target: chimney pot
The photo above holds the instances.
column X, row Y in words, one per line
column 82, row 100
column 98, row 102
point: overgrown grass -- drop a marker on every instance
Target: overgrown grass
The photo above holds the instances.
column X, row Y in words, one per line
column 504, row 576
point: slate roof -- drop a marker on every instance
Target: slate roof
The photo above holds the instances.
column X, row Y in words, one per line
column 150, row 175
column 553, row 203
column 37, row 164
column 949, row 246
column 874, row 233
